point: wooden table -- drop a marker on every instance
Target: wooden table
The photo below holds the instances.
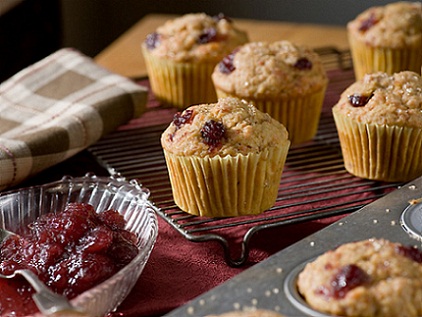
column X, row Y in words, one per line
column 124, row 57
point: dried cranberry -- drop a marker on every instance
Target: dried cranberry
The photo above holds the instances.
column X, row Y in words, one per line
column 412, row 253
column 349, row 277
column 152, row 40
column 221, row 16
column 180, row 119
column 368, row 23
column 303, row 64
column 212, row 133
column 226, row 65
column 357, row 100
column 207, row 36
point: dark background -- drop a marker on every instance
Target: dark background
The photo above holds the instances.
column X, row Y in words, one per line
column 32, row 29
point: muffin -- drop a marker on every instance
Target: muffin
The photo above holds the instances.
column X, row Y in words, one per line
column 372, row 278
column 250, row 313
column 387, row 39
column 379, row 123
column 225, row 159
column 181, row 55
column 283, row 79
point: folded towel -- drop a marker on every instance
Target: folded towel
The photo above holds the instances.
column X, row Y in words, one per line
column 57, row 107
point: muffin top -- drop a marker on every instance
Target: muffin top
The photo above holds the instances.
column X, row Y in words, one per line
column 384, row 99
column 263, row 70
column 373, row 277
column 195, row 37
column 229, row 127
column 394, row 25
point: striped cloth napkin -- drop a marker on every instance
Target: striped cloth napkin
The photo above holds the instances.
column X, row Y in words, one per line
column 57, row 107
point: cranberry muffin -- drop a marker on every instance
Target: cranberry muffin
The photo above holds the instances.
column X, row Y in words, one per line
column 379, row 123
column 387, row 39
column 225, row 159
column 285, row 80
column 181, row 55
column 373, row 278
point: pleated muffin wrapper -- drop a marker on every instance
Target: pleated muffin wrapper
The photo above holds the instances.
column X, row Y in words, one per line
column 299, row 114
column 380, row 152
column 227, row 186
column 368, row 59
column 179, row 84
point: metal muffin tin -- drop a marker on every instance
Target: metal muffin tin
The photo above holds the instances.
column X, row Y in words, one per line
column 271, row 284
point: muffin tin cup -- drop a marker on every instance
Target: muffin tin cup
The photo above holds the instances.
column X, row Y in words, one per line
column 180, row 84
column 300, row 115
column 226, row 186
column 367, row 59
column 293, row 295
column 380, row 152
column 411, row 220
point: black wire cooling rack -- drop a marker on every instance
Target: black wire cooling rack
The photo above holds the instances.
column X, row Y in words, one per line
column 314, row 184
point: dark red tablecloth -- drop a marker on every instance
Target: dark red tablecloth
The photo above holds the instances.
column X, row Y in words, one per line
column 179, row 270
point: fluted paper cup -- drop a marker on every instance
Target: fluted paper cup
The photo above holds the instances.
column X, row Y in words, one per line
column 380, row 152
column 368, row 59
column 226, row 186
column 180, row 84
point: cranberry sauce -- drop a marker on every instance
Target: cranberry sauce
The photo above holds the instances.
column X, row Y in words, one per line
column 70, row 251
column 357, row 100
column 152, row 40
column 368, row 23
column 303, row 64
column 226, row 65
column 207, row 36
column 347, row 278
column 212, row 133
column 180, row 119
column 412, row 253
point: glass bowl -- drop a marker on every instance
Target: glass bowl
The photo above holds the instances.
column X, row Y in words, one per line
column 21, row 207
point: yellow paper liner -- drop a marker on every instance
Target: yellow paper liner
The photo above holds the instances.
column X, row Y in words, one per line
column 380, row 152
column 180, row 84
column 300, row 115
column 226, row 186
column 368, row 59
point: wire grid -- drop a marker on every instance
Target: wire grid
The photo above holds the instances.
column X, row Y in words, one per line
column 314, row 184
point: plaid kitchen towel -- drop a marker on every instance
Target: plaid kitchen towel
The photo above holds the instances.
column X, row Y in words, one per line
column 57, row 107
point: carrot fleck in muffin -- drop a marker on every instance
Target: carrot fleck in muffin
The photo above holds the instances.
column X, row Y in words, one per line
column 181, row 55
column 225, row 159
column 373, row 278
column 379, row 122
column 387, row 39
column 283, row 79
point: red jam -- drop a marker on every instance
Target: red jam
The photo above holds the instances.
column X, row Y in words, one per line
column 349, row 277
column 368, row 23
column 152, row 40
column 71, row 252
column 212, row 133
column 357, row 100
column 207, row 36
column 410, row 252
column 303, row 64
